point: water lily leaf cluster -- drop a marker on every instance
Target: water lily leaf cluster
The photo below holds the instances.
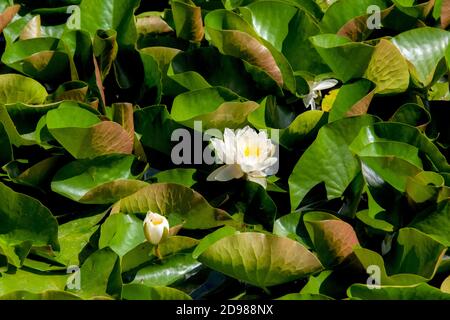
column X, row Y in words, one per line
column 97, row 95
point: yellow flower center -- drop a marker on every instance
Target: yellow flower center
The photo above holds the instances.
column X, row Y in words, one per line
column 157, row 221
column 252, row 151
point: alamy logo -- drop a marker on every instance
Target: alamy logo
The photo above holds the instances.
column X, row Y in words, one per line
column 74, row 21
column 374, row 281
column 74, row 280
column 374, row 19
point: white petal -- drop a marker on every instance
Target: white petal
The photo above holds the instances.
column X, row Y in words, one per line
column 228, row 135
column 269, row 162
column 219, row 148
column 229, row 140
column 156, row 227
column 247, row 130
column 265, row 167
column 309, row 100
column 226, row 173
column 273, row 150
column 153, row 233
column 325, row 84
column 259, row 180
column 263, row 135
column 250, row 165
column 269, row 149
column 271, row 166
column 165, row 224
column 156, row 233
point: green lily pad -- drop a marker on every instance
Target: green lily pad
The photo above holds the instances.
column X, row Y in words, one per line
column 25, row 222
column 117, row 15
column 259, row 259
column 40, row 58
column 176, row 201
column 102, row 180
column 232, row 35
column 46, row 295
column 74, row 236
column 423, row 48
column 35, row 282
column 188, row 20
column 421, row 291
column 17, row 88
column 184, row 177
column 328, row 160
column 215, row 107
column 121, row 233
column 388, row 69
column 141, row 292
column 434, row 221
column 168, row 271
column 95, row 137
column 100, row 275
column 333, row 238
column 348, row 60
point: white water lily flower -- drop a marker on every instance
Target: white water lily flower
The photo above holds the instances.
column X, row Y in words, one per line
column 310, row 99
column 156, row 227
column 245, row 153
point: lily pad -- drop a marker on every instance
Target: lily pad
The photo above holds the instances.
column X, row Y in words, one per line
column 141, row 292
column 259, row 259
column 176, row 201
column 95, row 137
column 102, row 180
column 25, row 222
column 17, row 88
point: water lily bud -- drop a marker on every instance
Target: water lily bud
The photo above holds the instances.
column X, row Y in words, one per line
column 156, row 228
